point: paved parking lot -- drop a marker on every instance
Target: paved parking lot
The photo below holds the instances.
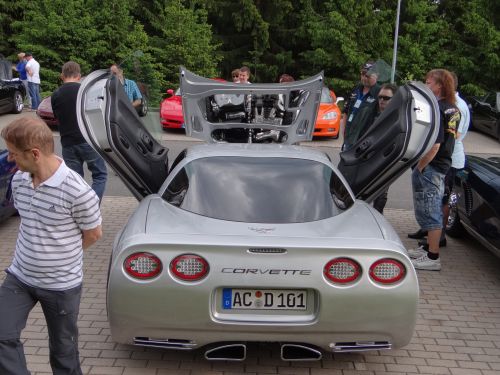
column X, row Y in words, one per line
column 457, row 333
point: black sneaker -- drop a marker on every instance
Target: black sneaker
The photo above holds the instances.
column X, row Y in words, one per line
column 442, row 243
column 418, row 235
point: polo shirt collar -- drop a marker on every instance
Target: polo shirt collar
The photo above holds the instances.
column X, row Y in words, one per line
column 56, row 179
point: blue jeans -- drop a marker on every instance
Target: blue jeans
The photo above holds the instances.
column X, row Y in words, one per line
column 28, row 96
column 34, row 89
column 428, row 191
column 61, row 314
column 74, row 157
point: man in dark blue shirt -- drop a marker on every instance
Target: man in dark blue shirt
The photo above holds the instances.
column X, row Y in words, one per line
column 361, row 107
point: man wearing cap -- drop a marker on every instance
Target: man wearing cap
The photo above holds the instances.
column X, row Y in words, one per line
column 361, row 108
column 33, row 75
column 21, row 69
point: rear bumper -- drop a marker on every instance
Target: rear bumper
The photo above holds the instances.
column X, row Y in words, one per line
column 194, row 317
column 189, row 338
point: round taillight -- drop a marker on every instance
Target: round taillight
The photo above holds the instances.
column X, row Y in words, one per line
column 387, row 271
column 342, row 270
column 142, row 265
column 189, row 267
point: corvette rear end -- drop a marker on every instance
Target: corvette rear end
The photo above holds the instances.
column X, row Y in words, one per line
column 185, row 291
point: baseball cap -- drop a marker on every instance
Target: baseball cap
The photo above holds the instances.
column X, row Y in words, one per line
column 370, row 67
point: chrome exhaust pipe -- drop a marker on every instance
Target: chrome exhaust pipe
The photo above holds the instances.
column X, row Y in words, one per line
column 360, row 346
column 229, row 352
column 299, row 352
column 165, row 343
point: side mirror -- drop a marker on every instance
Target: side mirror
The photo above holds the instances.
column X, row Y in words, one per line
column 170, row 92
column 339, row 99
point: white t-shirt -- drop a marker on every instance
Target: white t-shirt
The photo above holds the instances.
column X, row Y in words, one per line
column 35, row 68
column 458, row 156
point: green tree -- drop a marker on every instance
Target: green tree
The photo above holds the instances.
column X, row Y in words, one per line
column 181, row 36
column 9, row 11
column 343, row 34
column 59, row 31
column 423, row 37
column 474, row 45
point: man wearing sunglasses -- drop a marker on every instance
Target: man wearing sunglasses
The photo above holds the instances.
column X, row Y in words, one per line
column 361, row 108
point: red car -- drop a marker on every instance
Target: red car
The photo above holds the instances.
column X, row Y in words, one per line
column 44, row 111
column 171, row 111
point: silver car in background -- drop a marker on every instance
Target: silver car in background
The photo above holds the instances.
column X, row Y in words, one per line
column 250, row 237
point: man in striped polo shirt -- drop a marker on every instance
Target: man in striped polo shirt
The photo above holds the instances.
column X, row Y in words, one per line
column 59, row 218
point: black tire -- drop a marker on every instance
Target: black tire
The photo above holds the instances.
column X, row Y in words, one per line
column 143, row 110
column 454, row 227
column 18, row 105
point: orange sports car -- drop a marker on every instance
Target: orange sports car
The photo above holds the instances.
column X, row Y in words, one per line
column 328, row 119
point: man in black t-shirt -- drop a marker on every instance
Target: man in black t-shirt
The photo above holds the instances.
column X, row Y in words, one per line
column 75, row 150
column 428, row 175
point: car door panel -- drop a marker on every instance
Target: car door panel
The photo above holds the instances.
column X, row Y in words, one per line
column 404, row 132
column 110, row 123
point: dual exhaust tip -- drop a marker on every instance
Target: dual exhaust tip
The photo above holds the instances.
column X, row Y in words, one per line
column 238, row 351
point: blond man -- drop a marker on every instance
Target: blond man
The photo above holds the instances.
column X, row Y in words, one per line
column 60, row 217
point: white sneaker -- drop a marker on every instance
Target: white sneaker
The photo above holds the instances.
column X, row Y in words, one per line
column 417, row 253
column 426, row 263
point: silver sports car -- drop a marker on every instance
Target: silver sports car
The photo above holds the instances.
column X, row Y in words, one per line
column 250, row 237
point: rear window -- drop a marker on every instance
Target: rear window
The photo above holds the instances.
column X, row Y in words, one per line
column 259, row 190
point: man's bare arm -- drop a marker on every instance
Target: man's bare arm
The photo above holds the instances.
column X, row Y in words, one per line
column 91, row 236
column 427, row 158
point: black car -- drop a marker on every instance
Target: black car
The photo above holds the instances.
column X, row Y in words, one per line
column 12, row 91
column 475, row 202
column 485, row 113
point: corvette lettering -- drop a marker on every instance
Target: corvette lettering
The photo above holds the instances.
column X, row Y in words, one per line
column 267, row 271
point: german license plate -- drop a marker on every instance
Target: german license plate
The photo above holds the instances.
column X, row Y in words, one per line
column 265, row 299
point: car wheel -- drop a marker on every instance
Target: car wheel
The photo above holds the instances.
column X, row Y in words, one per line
column 18, row 105
column 453, row 226
column 143, row 111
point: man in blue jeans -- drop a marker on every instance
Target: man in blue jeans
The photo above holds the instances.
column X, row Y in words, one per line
column 75, row 150
column 60, row 217
column 33, row 75
column 428, row 175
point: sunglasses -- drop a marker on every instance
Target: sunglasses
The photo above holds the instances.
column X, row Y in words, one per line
column 384, row 98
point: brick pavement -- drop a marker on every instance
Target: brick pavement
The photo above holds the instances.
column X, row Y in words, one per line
column 457, row 333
